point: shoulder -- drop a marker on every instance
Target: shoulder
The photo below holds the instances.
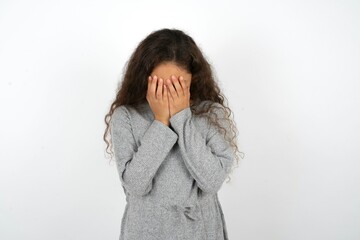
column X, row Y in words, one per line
column 128, row 109
column 120, row 111
column 120, row 115
column 213, row 108
column 133, row 114
column 216, row 117
column 209, row 102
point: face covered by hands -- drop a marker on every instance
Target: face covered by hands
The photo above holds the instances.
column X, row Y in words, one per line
column 168, row 90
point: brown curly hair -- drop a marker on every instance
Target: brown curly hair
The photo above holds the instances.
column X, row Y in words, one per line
column 173, row 45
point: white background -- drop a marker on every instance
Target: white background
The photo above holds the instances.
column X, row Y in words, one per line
column 289, row 69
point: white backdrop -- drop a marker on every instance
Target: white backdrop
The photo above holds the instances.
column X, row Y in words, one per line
column 290, row 70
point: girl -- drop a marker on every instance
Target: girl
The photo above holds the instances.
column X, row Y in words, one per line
column 174, row 142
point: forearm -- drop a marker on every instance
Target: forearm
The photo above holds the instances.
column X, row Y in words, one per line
column 137, row 165
column 208, row 164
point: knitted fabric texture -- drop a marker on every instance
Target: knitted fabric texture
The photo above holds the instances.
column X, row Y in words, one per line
column 170, row 175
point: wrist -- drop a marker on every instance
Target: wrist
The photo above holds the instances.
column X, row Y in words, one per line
column 166, row 122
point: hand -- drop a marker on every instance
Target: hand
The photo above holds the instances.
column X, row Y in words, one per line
column 178, row 94
column 158, row 99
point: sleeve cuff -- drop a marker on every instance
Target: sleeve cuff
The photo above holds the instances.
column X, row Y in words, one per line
column 160, row 135
column 179, row 118
column 160, row 139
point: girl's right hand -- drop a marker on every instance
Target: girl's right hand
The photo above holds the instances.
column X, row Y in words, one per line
column 157, row 97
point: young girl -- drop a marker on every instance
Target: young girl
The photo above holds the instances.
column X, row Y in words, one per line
column 174, row 142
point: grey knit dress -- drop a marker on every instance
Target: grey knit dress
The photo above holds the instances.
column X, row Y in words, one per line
column 170, row 175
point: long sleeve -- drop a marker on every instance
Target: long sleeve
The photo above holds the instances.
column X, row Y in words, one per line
column 208, row 160
column 137, row 166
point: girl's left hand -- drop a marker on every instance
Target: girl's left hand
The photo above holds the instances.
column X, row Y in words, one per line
column 178, row 94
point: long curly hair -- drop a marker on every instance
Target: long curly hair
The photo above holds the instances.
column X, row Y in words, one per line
column 173, row 45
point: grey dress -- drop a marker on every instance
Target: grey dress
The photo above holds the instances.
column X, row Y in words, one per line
column 170, row 175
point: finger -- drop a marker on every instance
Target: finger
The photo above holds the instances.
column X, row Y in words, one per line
column 177, row 85
column 167, row 97
column 170, row 98
column 183, row 84
column 171, row 88
column 168, row 83
column 159, row 89
column 148, row 85
column 153, row 86
column 165, row 93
